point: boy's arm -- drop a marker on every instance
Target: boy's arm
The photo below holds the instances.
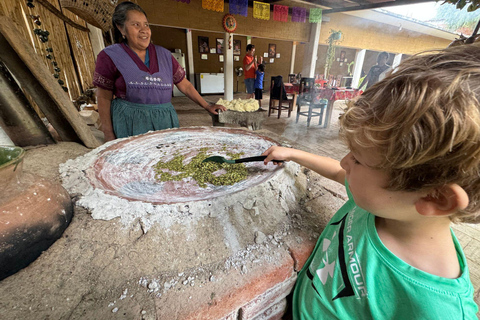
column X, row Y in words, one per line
column 327, row 167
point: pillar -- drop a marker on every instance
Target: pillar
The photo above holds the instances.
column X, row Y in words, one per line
column 396, row 60
column 311, row 49
column 191, row 71
column 358, row 66
column 228, row 66
column 292, row 62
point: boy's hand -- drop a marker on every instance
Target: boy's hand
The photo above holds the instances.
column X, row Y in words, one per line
column 277, row 153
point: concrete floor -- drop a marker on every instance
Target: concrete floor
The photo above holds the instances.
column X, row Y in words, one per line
column 325, row 142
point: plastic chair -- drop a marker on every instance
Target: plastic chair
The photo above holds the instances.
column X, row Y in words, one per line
column 307, row 98
column 278, row 93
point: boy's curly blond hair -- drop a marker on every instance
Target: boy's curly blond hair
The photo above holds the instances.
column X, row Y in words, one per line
column 424, row 121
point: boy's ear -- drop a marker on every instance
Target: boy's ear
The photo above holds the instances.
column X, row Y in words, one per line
column 443, row 201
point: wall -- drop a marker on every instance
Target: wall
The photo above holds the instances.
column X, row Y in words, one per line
column 193, row 16
column 357, row 34
column 366, row 34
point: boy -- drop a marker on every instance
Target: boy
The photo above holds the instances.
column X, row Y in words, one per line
column 259, row 74
column 414, row 167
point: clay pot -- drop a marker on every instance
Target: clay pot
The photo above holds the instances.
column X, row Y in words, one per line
column 34, row 212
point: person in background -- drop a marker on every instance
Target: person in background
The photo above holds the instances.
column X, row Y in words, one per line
column 412, row 170
column 259, row 75
column 135, row 79
column 249, row 67
column 378, row 71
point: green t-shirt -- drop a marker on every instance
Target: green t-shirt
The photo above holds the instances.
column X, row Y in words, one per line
column 352, row 275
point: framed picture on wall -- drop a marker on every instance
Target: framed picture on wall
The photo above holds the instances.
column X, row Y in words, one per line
column 272, row 50
column 237, row 47
column 219, row 45
column 203, row 44
column 342, row 56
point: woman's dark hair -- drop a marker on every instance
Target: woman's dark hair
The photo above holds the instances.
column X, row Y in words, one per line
column 120, row 16
column 382, row 54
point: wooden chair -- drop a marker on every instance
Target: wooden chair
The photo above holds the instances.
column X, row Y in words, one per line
column 278, row 93
column 307, row 99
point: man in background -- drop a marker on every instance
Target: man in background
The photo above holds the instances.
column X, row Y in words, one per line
column 249, row 67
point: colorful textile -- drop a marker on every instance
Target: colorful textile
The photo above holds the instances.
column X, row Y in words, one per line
column 214, row 5
column 331, row 94
column 299, row 14
column 238, row 7
column 185, row 1
column 315, row 15
column 280, row 13
column 261, row 10
column 107, row 76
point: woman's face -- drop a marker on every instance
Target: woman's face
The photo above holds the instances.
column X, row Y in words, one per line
column 137, row 30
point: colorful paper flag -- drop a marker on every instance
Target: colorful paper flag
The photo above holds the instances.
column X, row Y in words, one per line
column 238, row 7
column 280, row 13
column 299, row 14
column 315, row 15
column 214, row 5
column 261, row 10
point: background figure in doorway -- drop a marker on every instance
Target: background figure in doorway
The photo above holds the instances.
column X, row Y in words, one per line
column 250, row 66
column 259, row 75
column 378, row 71
column 135, row 79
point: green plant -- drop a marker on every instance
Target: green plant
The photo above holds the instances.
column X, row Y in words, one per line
column 473, row 4
column 333, row 39
column 349, row 65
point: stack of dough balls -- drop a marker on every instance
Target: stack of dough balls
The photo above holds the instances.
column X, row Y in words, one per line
column 246, row 105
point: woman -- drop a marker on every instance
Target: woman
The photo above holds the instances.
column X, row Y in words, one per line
column 141, row 77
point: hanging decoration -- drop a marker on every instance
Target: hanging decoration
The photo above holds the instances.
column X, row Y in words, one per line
column 214, row 5
column 315, row 15
column 43, row 36
column 229, row 23
column 299, row 14
column 280, row 13
column 261, row 10
column 184, row 1
column 239, row 7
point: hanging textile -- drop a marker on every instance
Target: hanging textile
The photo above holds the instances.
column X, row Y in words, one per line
column 315, row 15
column 186, row 1
column 238, row 7
column 280, row 13
column 299, row 14
column 214, row 5
column 261, row 10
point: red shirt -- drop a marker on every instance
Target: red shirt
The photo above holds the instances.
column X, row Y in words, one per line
column 250, row 73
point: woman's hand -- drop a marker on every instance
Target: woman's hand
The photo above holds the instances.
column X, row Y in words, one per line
column 277, row 153
column 212, row 108
column 109, row 136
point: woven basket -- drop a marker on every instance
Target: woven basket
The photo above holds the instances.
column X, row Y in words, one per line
column 96, row 12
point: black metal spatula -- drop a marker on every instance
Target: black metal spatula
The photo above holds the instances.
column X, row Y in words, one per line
column 220, row 159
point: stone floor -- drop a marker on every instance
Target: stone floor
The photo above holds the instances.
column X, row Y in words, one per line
column 326, row 142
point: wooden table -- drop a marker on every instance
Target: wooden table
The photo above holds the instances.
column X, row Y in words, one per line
column 293, row 89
